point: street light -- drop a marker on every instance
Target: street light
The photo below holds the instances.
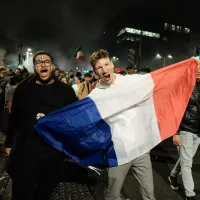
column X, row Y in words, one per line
column 115, row 59
column 29, row 49
column 158, row 56
column 169, row 56
column 164, row 58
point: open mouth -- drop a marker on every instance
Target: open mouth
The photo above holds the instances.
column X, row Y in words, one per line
column 106, row 77
column 44, row 72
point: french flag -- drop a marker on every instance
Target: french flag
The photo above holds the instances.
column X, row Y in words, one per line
column 117, row 124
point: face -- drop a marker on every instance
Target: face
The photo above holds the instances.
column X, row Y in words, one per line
column 57, row 73
column 44, row 69
column 17, row 72
column 87, row 79
column 130, row 71
column 77, row 80
column 104, row 71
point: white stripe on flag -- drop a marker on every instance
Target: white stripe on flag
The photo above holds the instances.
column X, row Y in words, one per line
column 132, row 134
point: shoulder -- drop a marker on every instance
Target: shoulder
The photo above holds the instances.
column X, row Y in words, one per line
column 81, row 85
column 25, row 84
column 62, row 85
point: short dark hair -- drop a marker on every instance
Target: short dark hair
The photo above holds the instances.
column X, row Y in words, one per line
column 42, row 53
column 78, row 74
column 88, row 75
column 129, row 67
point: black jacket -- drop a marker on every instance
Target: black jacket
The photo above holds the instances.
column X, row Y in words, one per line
column 191, row 118
column 28, row 149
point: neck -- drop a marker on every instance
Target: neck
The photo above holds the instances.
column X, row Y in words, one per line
column 50, row 82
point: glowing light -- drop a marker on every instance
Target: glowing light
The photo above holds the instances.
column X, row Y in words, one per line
column 169, row 56
column 29, row 49
column 114, row 59
column 138, row 32
column 158, row 56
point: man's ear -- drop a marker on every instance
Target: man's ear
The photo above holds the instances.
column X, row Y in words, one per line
column 112, row 64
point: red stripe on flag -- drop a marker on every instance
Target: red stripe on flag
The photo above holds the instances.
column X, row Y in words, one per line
column 172, row 91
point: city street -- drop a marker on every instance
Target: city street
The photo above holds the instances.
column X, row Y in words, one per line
column 164, row 157
column 167, row 155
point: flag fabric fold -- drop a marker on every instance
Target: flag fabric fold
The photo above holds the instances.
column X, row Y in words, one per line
column 79, row 55
column 115, row 125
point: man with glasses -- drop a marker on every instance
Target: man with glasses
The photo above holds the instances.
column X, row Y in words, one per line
column 34, row 166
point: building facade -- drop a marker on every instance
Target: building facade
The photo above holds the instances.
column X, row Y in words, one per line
column 143, row 39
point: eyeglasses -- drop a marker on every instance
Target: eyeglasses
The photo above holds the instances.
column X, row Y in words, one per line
column 46, row 62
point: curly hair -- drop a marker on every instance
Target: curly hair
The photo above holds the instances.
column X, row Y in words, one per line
column 97, row 55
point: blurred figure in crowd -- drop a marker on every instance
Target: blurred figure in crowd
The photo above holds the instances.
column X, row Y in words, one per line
column 9, row 91
column 85, row 87
column 64, row 80
column 62, row 73
column 70, row 77
column 18, row 74
column 130, row 70
column 56, row 73
column 78, row 81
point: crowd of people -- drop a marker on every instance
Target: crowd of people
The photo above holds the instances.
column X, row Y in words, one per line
column 36, row 168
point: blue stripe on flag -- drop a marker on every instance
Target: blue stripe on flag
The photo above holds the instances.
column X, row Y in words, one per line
column 79, row 131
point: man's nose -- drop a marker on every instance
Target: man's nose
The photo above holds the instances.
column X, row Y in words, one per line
column 43, row 64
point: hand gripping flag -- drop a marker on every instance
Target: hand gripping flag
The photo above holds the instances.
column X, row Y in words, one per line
column 116, row 125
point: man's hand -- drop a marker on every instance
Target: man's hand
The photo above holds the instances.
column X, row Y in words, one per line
column 8, row 151
column 177, row 140
column 39, row 115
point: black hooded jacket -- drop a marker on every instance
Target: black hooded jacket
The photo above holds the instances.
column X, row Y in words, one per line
column 191, row 119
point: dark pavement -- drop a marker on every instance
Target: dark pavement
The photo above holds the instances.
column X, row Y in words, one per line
column 165, row 156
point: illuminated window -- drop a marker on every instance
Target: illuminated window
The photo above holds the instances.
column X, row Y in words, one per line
column 166, row 26
column 132, row 30
column 139, row 32
column 178, row 29
column 173, row 27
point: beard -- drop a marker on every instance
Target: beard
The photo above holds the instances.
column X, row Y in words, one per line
column 44, row 82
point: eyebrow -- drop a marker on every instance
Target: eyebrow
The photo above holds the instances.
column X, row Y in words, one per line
column 42, row 60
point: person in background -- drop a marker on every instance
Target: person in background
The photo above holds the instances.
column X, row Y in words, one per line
column 123, row 73
column 18, row 74
column 24, row 71
column 62, row 73
column 63, row 79
column 70, row 77
column 85, row 87
column 187, row 139
column 9, row 91
column 130, row 70
column 94, row 80
column 78, row 81
column 57, row 73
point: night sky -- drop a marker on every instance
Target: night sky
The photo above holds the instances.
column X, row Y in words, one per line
column 63, row 25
